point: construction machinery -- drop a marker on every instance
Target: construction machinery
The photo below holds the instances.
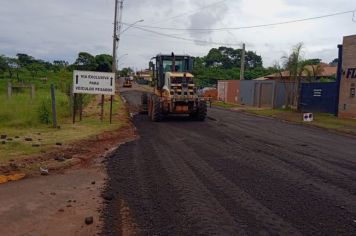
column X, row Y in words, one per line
column 127, row 83
column 174, row 89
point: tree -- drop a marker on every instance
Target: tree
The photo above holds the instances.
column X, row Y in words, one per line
column 334, row 62
column 252, row 60
column 314, row 61
column 3, row 64
column 24, row 59
column 34, row 68
column 125, row 72
column 228, row 58
column 295, row 65
column 12, row 66
column 214, row 58
column 59, row 65
column 313, row 71
column 104, row 62
column 85, row 61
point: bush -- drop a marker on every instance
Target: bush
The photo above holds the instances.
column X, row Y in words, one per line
column 43, row 112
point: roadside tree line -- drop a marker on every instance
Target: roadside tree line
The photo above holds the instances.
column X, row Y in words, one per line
column 24, row 64
column 224, row 63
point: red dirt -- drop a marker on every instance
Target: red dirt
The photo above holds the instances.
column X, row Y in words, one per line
column 74, row 155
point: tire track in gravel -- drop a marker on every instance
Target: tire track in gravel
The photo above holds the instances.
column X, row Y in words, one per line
column 258, row 218
column 312, row 186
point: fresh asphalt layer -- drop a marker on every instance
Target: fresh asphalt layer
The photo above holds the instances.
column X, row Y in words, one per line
column 233, row 174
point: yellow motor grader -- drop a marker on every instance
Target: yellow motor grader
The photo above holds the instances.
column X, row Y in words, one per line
column 127, row 83
column 174, row 89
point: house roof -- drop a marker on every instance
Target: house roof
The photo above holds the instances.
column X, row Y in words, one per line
column 326, row 71
column 262, row 78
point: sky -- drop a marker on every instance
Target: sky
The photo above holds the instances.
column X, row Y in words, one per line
column 59, row 29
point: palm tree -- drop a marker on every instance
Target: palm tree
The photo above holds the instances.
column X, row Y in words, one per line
column 294, row 64
column 313, row 71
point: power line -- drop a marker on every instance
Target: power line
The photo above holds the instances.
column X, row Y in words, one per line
column 252, row 26
column 190, row 12
column 155, row 37
column 186, row 39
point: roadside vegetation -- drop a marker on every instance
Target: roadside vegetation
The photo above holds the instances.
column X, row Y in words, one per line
column 26, row 123
column 224, row 63
column 224, row 104
column 321, row 120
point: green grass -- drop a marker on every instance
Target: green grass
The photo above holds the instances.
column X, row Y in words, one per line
column 321, row 120
column 21, row 111
column 224, row 104
column 68, row 133
column 20, row 116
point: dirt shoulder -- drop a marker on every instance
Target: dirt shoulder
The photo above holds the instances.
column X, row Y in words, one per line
column 59, row 203
column 321, row 120
column 58, row 149
column 75, row 154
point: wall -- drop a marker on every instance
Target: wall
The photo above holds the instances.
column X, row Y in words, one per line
column 319, row 97
column 257, row 93
column 347, row 102
column 229, row 91
column 268, row 93
column 247, row 92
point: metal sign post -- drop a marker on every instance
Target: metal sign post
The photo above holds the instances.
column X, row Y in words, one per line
column 102, row 108
column 111, row 101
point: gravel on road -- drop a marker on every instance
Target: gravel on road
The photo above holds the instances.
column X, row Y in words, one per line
column 233, row 174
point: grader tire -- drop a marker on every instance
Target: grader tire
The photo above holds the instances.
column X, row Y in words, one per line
column 156, row 109
column 149, row 106
column 144, row 103
column 202, row 111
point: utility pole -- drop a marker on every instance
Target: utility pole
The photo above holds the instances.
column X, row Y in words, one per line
column 116, row 38
column 242, row 68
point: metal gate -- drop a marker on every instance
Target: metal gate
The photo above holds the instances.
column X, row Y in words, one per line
column 319, row 97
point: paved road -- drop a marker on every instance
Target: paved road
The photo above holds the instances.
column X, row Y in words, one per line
column 234, row 174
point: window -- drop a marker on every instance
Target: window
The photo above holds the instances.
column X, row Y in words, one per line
column 352, row 92
column 179, row 64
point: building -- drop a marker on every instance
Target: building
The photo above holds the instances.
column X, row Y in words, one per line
column 145, row 75
column 347, row 99
column 310, row 72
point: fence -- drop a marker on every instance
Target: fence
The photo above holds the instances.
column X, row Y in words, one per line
column 269, row 94
column 319, row 97
column 11, row 87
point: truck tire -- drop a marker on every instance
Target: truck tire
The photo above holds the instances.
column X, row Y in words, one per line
column 156, row 115
column 202, row 111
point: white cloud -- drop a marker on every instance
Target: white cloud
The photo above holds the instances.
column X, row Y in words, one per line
column 55, row 29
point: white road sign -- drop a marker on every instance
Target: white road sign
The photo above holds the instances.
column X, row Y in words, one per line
column 90, row 82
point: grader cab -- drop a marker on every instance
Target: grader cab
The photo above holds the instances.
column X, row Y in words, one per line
column 174, row 89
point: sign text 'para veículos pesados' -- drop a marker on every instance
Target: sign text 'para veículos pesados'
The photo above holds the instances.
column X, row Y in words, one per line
column 90, row 82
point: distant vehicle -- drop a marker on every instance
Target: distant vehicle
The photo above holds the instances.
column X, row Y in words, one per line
column 127, row 83
column 174, row 91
